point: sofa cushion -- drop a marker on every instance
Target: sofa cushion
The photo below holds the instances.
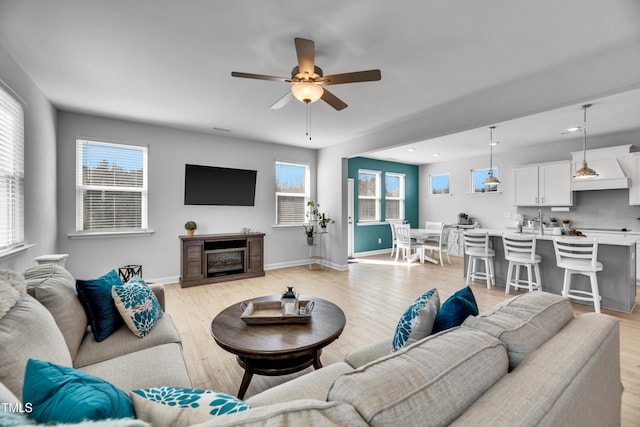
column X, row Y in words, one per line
column 137, row 305
column 8, row 398
column 313, row 385
column 54, row 287
column 122, row 342
column 62, row 394
column 95, row 296
column 417, row 321
column 178, row 406
column 368, row 353
column 301, row 412
column 455, row 310
column 524, row 322
column 9, row 419
column 573, row 379
column 28, row 331
column 430, row 382
column 151, row 367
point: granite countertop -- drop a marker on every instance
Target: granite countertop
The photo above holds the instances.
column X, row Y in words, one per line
column 617, row 238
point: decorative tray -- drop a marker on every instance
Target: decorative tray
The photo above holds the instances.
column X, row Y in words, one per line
column 270, row 312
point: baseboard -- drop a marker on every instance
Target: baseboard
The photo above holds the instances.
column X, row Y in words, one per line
column 371, row 253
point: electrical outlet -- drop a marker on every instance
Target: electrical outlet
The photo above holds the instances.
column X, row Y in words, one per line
column 379, row 241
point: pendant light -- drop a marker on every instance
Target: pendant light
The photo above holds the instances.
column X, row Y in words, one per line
column 491, row 181
column 585, row 171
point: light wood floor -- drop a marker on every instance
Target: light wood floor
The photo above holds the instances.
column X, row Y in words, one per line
column 373, row 294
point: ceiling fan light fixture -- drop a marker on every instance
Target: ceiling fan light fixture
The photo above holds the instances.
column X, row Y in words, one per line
column 307, row 92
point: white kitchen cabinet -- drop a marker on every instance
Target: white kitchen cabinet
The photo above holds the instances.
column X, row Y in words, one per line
column 634, row 174
column 545, row 184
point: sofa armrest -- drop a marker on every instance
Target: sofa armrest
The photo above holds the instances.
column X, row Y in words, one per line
column 369, row 353
column 158, row 290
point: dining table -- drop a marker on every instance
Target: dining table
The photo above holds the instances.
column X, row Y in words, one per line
column 421, row 235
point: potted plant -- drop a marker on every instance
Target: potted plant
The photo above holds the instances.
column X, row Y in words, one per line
column 553, row 221
column 191, row 227
column 316, row 215
column 309, row 232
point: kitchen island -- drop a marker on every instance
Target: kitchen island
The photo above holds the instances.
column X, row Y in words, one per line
column 616, row 252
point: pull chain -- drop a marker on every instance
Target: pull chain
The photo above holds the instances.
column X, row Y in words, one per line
column 308, row 121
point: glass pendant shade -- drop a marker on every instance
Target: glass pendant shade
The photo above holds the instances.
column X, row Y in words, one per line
column 307, row 92
column 585, row 171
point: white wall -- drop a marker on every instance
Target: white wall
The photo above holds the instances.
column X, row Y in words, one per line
column 169, row 150
column 491, row 209
column 39, row 162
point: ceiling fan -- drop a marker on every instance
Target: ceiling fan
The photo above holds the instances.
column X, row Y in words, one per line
column 307, row 79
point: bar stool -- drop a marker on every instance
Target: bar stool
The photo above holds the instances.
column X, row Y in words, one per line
column 578, row 255
column 520, row 251
column 476, row 246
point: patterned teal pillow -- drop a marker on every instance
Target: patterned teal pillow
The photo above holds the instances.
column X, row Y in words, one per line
column 137, row 305
column 172, row 406
column 416, row 323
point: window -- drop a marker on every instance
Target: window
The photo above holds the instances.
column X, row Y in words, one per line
column 477, row 178
column 111, row 187
column 292, row 193
column 368, row 195
column 439, row 184
column 11, row 172
column 394, row 196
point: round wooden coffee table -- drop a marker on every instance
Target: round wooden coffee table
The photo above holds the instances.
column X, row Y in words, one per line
column 278, row 349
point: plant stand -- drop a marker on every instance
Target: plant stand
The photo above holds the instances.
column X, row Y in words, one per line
column 316, row 251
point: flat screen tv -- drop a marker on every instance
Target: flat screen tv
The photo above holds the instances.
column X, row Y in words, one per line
column 211, row 185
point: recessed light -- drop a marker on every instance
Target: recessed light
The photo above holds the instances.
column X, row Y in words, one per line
column 493, row 144
column 436, row 154
column 573, row 129
column 411, row 149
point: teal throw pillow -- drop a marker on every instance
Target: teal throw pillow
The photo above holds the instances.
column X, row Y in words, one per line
column 417, row 321
column 172, row 406
column 455, row 310
column 138, row 305
column 61, row 394
column 95, row 296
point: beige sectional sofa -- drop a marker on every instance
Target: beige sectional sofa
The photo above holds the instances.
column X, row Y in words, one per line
column 49, row 323
column 526, row 362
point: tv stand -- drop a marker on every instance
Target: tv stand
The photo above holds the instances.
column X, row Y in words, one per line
column 212, row 258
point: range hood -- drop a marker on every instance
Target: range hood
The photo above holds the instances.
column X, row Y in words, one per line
column 606, row 162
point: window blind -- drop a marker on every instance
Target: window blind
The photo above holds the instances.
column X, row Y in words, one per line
column 111, row 186
column 11, row 171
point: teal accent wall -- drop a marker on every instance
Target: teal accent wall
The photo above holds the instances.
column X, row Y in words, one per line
column 365, row 238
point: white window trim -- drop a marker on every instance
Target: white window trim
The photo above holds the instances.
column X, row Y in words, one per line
column 431, row 193
column 306, row 194
column 80, row 232
column 12, row 164
column 401, row 198
column 377, row 196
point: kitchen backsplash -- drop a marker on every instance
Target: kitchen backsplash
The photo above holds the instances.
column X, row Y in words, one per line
column 595, row 209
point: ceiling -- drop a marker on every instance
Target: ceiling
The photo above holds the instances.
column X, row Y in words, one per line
column 168, row 62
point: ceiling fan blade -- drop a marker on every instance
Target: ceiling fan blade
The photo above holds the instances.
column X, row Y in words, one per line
column 282, row 101
column 259, row 77
column 354, row 77
column 306, row 55
column 333, row 100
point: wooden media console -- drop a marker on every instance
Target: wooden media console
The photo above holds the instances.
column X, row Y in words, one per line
column 211, row 258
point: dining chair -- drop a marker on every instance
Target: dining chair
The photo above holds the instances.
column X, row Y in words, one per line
column 438, row 244
column 476, row 246
column 394, row 242
column 404, row 242
column 520, row 251
column 579, row 255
